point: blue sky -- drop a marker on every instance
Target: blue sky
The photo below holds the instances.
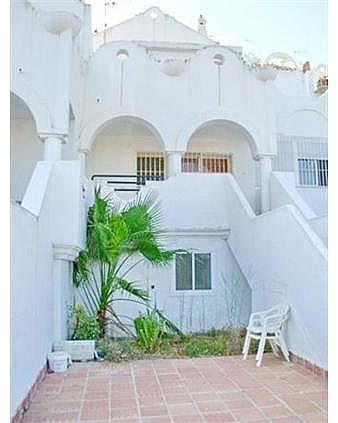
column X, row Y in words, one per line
column 297, row 27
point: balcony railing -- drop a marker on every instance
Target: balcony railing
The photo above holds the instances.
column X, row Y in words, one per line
column 129, row 182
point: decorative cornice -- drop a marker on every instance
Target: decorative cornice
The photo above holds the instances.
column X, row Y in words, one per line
column 264, row 156
column 66, row 252
column 45, row 135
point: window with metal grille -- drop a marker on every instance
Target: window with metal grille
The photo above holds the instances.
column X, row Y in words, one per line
column 205, row 163
column 193, row 271
column 150, row 166
column 313, row 172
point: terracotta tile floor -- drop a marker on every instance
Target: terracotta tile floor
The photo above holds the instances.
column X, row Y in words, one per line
column 222, row 389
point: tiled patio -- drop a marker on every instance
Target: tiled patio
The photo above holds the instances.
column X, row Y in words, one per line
column 223, row 389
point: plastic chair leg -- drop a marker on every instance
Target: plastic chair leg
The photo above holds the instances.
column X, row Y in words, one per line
column 260, row 352
column 246, row 346
column 274, row 347
column 283, row 347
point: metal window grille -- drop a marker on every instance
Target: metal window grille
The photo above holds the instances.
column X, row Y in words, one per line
column 206, row 163
column 150, row 166
column 313, row 172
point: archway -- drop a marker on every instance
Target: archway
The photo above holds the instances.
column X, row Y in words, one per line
column 125, row 153
column 26, row 148
column 221, row 146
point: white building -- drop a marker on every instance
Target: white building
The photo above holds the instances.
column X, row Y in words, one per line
column 236, row 152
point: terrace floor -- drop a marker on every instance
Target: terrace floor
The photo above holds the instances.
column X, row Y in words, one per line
column 217, row 389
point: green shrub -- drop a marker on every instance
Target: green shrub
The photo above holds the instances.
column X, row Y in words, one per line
column 149, row 331
column 85, row 326
column 198, row 346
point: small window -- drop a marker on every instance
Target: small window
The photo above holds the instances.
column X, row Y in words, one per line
column 193, row 271
column 313, row 172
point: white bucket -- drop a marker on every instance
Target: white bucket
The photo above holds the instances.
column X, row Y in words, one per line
column 58, row 361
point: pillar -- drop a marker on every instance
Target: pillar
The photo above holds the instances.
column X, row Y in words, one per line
column 174, row 166
column 82, row 158
column 64, row 255
column 265, row 165
column 52, row 146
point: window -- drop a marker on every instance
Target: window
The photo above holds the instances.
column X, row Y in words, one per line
column 205, row 163
column 150, row 166
column 313, row 172
column 193, row 271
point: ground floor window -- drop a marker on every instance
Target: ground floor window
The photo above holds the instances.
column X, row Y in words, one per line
column 205, row 163
column 313, row 172
column 150, row 166
column 193, row 271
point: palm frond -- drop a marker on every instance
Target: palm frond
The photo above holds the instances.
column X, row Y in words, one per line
column 131, row 289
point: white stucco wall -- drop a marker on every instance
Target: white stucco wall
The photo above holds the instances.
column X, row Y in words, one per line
column 26, row 150
column 243, row 167
column 320, row 226
column 227, row 303
column 117, row 153
column 31, row 297
column 284, row 261
column 317, row 198
column 283, row 192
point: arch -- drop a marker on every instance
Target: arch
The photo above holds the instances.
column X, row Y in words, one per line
column 206, row 117
column 303, row 121
column 25, row 145
column 93, row 128
column 38, row 109
column 318, row 112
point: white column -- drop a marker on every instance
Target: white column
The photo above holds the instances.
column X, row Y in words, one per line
column 82, row 159
column 265, row 162
column 63, row 287
column 52, row 148
column 174, row 163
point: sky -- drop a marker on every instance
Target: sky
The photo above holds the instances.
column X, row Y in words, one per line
column 296, row 27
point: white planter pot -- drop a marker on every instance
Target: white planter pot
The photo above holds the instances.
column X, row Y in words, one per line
column 78, row 350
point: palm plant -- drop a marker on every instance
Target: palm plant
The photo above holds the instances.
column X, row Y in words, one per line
column 115, row 238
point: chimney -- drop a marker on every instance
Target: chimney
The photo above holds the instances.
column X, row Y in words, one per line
column 202, row 26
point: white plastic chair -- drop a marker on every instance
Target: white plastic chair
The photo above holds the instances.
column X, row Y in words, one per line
column 267, row 325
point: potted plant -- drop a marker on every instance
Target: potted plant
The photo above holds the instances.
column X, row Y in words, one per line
column 85, row 328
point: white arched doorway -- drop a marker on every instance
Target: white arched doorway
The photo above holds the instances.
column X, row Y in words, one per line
column 125, row 153
column 26, row 148
column 221, row 146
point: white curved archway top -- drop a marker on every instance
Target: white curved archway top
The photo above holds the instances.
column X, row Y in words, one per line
column 38, row 110
column 218, row 115
column 93, row 128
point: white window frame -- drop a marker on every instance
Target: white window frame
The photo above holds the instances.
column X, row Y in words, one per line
column 195, row 291
column 316, row 184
